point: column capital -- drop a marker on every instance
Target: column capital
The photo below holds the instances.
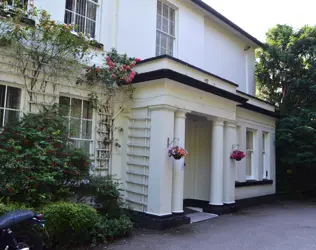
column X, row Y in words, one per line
column 181, row 113
column 162, row 107
column 217, row 122
column 231, row 124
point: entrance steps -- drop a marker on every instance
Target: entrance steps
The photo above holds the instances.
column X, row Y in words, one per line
column 196, row 214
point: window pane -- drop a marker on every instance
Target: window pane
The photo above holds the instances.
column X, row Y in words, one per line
column 76, row 107
column 170, row 44
column 157, row 51
column 249, row 140
column 64, row 105
column 2, row 95
column 159, row 11
column 157, row 38
column 11, row 116
column 158, row 22
column 248, row 163
column 165, row 25
column 163, row 51
column 69, row 17
column 87, row 110
column 92, row 11
column 81, row 7
column 85, row 146
column 163, row 43
column 1, row 118
column 165, row 11
column 172, row 15
column 75, row 128
column 172, row 28
column 90, row 28
column 70, row 4
column 80, row 23
column 86, row 129
column 13, row 98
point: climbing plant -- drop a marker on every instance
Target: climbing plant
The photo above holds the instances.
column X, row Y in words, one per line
column 46, row 54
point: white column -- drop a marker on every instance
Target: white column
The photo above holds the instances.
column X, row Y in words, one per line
column 217, row 154
column 160, row 165
column 230, row 139
column 178, row 165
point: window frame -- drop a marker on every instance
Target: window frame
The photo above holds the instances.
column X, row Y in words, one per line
column 160, row 31
column 252, row 154
column 265, row 155
column 4, row 108
column 69, row 118
column 75, row 14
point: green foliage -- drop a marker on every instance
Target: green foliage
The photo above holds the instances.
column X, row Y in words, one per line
column 286, row 74
column 38, row 162
column 105, row 192
column 116, row 227
column 5, row 208
column 71, row 224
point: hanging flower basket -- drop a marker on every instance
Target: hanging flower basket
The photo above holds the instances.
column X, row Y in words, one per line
column 177, row 152
column 237, row 155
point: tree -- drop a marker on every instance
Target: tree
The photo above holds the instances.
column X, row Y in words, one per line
column 286, row 76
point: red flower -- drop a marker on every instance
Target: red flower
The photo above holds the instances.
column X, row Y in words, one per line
column 113, row 76
column 10, row 190
column 98, row 69
column 10, row 150
column 38, row 129
column 137, row 60
column 26, row 141
column 57, row 146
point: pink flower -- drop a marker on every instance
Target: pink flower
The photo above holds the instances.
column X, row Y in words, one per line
column 98, row 69
column 137, row 60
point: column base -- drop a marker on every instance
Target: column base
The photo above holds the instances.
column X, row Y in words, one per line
column 223, row 209
column 156, row 222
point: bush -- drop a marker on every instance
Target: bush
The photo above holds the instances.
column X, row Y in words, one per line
column 37, row 160
column 5, row 208
column 71, row 224
column 105, row 194
column 114, row 228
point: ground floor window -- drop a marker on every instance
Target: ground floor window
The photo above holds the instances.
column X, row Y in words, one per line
column 250, row 137
column 265, row 155
column 78, row 114
column 10, row 101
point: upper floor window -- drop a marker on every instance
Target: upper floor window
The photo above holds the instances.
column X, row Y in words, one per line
column 78, row 114
column 165, row 37
column 83, row 14
column 10, row 99
column 250, row 154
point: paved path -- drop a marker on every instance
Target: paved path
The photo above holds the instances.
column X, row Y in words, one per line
column 278, row 226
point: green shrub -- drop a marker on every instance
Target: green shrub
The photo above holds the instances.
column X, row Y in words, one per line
column 5, row 208
column 71, row 224
column 115, row 228
column 105, row 192
column 37, row 160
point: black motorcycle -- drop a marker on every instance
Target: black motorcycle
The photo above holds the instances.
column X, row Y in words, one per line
column 16, row 234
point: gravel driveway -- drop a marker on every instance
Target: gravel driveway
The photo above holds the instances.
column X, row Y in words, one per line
column 277, row 226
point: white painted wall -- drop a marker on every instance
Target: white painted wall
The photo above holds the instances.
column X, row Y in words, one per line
column 224, row 54
column 130, row 26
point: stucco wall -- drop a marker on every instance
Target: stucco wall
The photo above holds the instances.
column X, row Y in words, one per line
column 259, row 123
column 130, row 26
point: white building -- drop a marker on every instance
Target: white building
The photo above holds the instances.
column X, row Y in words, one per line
column 195, row 89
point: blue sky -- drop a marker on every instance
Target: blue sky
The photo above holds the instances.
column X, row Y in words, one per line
column 256, row 17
